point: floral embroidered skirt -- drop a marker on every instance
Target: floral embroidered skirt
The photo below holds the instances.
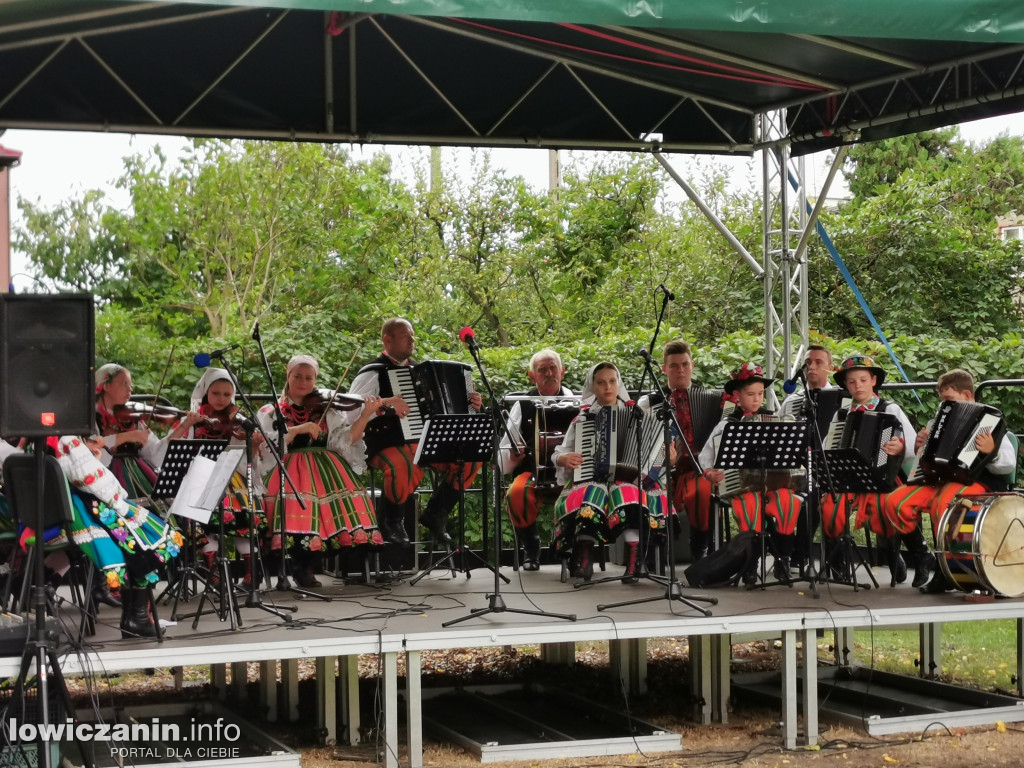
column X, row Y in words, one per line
column 338, row 508
column 598, row 511
column 134, row 544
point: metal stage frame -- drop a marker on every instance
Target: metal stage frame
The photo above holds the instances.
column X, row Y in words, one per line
column 363, row 619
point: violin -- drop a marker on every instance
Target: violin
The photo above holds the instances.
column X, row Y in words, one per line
column 134, row 412
column 224, row 425
column 319, row 401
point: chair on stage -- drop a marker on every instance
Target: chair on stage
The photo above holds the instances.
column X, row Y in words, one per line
column 20, row 484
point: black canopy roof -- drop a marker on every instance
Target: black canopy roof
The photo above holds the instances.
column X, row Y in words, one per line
column 601, row 75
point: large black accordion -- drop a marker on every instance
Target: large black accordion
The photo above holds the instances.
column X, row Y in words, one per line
column 430, row 387
column 607, row 438
column 856, row 444
column 949, row 454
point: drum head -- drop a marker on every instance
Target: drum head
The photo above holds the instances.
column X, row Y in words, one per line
column 1000, row 544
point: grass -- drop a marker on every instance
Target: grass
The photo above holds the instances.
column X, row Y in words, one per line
column 978, row 653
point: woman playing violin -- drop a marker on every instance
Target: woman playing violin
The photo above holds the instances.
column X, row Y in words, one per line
column 130, row 449
column 324, row 452
column 214, row 400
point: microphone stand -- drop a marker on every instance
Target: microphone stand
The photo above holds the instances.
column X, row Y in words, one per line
column 673, row 589
column 254, row 598
column 495, row 603
column 813, row 443
column 283, row 584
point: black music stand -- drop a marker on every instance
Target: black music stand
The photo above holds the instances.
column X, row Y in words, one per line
column 456, row 438
column 763, row 446
column 180, row 454
column 851, row 473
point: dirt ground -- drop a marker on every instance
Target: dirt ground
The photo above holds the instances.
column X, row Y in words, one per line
column 752, row 737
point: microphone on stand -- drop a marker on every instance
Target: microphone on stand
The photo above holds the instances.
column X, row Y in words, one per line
column 645, row 355
column 467, row 337
column 789, row 385
column 668, row 294
column 202, row 360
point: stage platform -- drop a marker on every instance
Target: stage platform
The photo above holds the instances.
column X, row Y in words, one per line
column 400, row 618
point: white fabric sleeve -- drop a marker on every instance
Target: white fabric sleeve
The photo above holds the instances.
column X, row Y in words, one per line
column 564, row 474
column 706, row 457
column 366, row 384
column 339, row 440
column 909, row 433
column 154, row 449
column 1005, row 460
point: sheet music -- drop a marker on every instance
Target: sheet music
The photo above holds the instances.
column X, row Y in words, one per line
column 202, row 488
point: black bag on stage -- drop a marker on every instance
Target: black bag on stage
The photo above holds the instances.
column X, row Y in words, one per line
column 725, row 565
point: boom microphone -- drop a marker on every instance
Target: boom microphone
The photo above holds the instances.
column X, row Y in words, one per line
column 202, row 360
column 467, row 337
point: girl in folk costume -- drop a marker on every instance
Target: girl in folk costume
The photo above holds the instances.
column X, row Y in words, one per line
column 128, row 543
column 861, row 377
column 323, row 454
column 131, row 450
column 214, row 400
column 746, row 388
column 601, row 509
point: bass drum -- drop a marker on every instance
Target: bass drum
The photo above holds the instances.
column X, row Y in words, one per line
column 980, row 543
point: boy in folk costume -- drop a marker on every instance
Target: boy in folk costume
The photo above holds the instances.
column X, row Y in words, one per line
column 746, row 389
column 861, row 377
column 903, row 507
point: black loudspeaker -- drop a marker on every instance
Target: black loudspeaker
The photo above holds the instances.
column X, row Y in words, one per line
column 46, row 365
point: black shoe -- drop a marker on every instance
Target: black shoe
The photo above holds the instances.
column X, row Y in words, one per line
column 632, row 572
column 937, row 585
column 304, row 578
column 923, row 569
column 437, row 527
column 101, row 593
column 750, row 578
column 393, row 532
column 781, row 570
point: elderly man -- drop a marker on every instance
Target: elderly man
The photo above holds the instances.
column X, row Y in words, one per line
column 524, row 498
column 389, row 453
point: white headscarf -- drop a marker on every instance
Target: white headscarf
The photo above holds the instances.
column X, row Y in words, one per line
column 304, row 360
column 207, row 380
column 589, row 396
column 105, row 374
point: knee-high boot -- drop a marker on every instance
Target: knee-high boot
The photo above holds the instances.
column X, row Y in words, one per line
column 920, row 556
column 783, row 545
column 897, row 565
column 135, row 618
column 530, row 540
column 699, row 543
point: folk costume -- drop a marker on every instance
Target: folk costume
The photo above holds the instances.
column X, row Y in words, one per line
column 401, row 475
column 600, row 510
column 523, row 499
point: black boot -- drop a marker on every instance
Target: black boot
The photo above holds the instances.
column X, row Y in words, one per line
column 101, row 590
column 783, row 551
column 530, row 540
column 632, row 572
column 135, row 618
column 698, row 544
column 582, row 555
column 922, row 559
column 304, row 569
column 938, row 584
column 897, row 565
column 392, row 522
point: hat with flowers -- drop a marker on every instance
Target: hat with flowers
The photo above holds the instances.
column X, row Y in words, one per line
column 855, row 363
column 745, row 374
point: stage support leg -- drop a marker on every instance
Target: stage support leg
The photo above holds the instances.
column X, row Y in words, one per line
column 219, row 681
column 701, row 664
column 841, row 645
column 290, row 690
column 1020, row 657
column 239, row 680
column 268, row 690
column 414, row 708
column 558, row 653
column 348, row 696
column 931, row 650
column 809, row 678
column 721, row 655
column 391, row 709
column 628, row 659
column 327, row 699
column 789, row 688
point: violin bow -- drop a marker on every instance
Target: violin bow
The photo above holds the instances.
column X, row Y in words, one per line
column 334, row 392
column 160, row 386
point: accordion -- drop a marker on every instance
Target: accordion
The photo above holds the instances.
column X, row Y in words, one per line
column 827, row 402
column 551, row 422
column 949, row 454
column 430, row 387
column 607, row 438
column 741, row 480
column 856, row 442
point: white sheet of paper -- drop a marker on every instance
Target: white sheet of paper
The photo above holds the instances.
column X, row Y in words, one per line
column 193, row 486
column 221, row 476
